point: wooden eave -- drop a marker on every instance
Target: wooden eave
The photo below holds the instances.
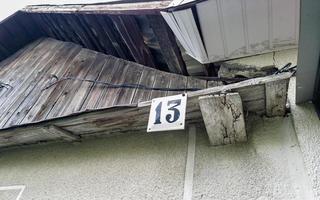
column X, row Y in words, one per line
column 119, row 8
column 122, row 119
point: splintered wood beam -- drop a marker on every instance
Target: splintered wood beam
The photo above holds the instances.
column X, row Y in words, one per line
column 129, row 30
column 61, row 133
column 276, row 98
column 127, row 8
column 168, row 45
column 223, row 118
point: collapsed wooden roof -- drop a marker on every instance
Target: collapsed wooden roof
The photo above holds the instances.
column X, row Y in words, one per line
column 133, row 31
column 32, row 112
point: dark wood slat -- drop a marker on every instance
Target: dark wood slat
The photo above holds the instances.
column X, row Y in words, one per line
column 147, row 78
column 110, row 30
column 73, row 23
column 48, row 24
column 8, row 43
column 129, row 30
column 91, row 35
column 52, row 67
column 26, row 21
column 39, row 21
column 69, row 32
column 168, row 45
column 100, row 34
column 72, row 86
column 56, row 26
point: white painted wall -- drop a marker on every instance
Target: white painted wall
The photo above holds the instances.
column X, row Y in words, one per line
column 152, row 166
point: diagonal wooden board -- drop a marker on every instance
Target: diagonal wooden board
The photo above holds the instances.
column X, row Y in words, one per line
column 133, row 117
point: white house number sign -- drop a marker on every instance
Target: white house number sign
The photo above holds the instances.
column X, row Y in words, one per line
column 167, row 113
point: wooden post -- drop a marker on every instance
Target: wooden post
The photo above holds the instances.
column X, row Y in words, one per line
column 276, row 98
column 223, row 118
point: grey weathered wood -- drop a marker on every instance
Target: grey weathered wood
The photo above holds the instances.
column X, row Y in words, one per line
column 129, row 8
column 276, row 98
column 61, row 133
column 223, row 118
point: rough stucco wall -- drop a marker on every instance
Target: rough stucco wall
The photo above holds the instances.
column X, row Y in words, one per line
column 307, row 126
column 126, row 167
column 152, row 166
column 269, row 166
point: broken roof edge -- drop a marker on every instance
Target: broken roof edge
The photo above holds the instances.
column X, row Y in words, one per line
column 130, row 8
column 114, row 7
column 133, row 117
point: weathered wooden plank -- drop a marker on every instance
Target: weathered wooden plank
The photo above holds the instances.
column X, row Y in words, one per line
column 23, row 75
column 60, row 87
column 43, row 102
column 177, row 82
column 133, row 76
column 133, row 8
column 56, row 27
column 119, row 75
column 74, row 24
column 147, row 78
column 89, row 33
column 101, row 35
column 110, row 30
column 168, row 45
column 223, row 118
column 61, row 133
column 214, row 83
column 98, row 90
column 80, row 95
column 28, row 85
column 72, row 86
column 53, row 67
column 276, row 98
column 49, row 25
column 69, row 32
column 129, row 30
column 161, row 81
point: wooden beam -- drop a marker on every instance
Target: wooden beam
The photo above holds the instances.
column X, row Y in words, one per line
column 168, row 45
column 276, row 98
column 127, row 8
column 61, row 133
column 223, row 118
column 129, row 30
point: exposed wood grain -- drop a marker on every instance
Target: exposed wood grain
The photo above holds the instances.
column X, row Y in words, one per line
column 276, row 98
column 61, row 133
column 130, row 32
column 72, row 86
column 44, row 100
column 223, row 118
column 168, row 44
column 147, row 78
column 134, row 8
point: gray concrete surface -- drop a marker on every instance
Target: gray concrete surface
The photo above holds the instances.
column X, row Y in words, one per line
column 152, row 166
column 307, row 126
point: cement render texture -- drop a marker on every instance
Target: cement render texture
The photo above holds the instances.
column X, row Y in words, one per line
column 152, row 166
column 269, row 166
column 136, row 166
column 307, row 126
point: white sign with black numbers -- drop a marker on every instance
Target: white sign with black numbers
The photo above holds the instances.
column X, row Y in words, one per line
column 167, row 113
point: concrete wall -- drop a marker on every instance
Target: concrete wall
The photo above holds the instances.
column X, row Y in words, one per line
column 152, row 166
